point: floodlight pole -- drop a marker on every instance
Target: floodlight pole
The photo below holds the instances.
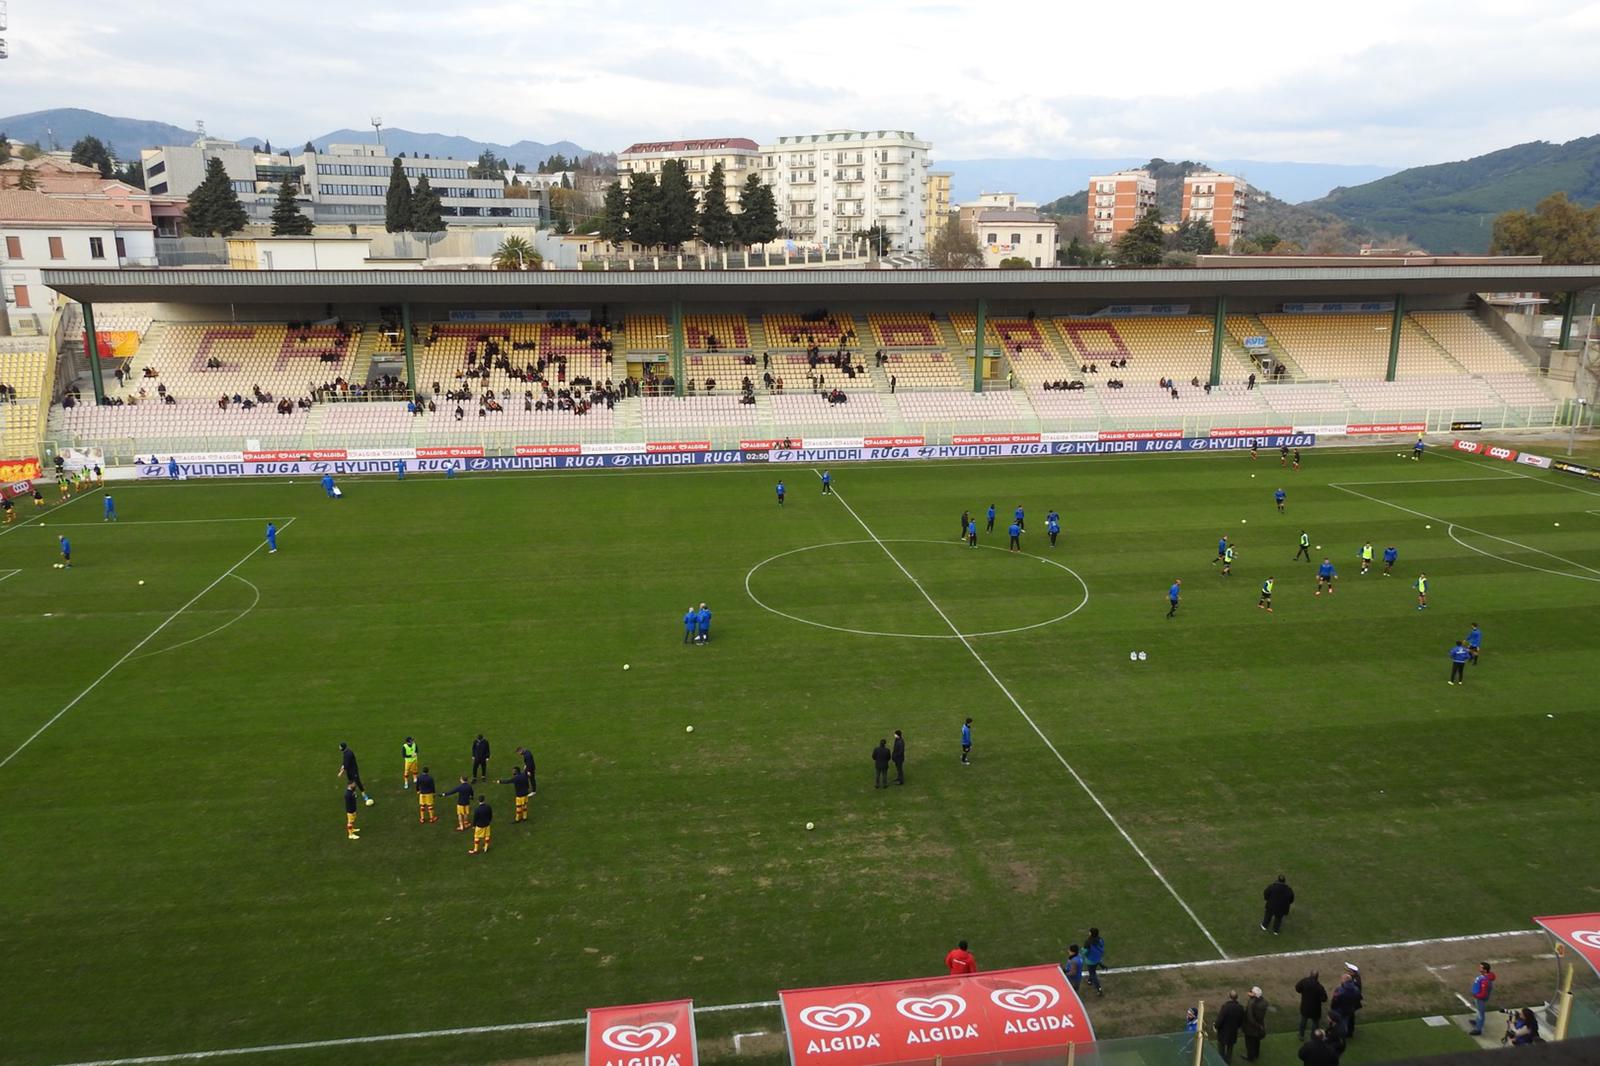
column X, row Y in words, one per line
column 1395, row 326
column 1219, row 322
column 405, row 334
column 977, row 344
column 677, row 348
column 91, row 345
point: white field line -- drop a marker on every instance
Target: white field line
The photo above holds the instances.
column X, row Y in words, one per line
column 1429, row 480
column 131, row 651
column 212, row 632
column 9, row 573
column 1035, row 727
column 160, row 522
column 766, row 1004
column 1515, row 562
column 13, row 527
column 1469, row 529
column 1541, row 480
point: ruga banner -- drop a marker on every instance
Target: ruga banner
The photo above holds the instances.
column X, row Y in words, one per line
column 1003, row 1016
column 650, row 1034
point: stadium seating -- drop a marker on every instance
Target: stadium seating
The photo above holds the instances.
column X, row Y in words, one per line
column 671, row 416
column 1145, row 402
column 927, row 370
column 281, row 362
column 797, row 414
column 732, row 332
column 26, row 369
column 1311, row 398
column 155, row 426
column 1417, row 395
column 795, row 331
column 647, row 333
column 1341, row 347
column 1004, row 409
column 726, row 370
column 442, row 349
column 904, row 329
column 1470, row 342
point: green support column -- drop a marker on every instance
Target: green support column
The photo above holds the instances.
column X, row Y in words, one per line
column 411, row 360
column 1394, row 336
column 1566, row 321
column 677, row 347
column 977, row 345
column 1219, row 324
column 91, row 348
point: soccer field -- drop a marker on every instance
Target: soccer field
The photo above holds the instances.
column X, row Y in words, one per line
column 177, row 876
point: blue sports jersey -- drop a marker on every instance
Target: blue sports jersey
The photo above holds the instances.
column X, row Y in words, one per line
column 272, row 533
column 1459, row 654
column 1222, row 545
column 1475, row 637
column 966, row 735
column 1015, row 530
column 780, row 488
column 1053, row 526
column 1325, row 570
column 972, row 528
column 991, row 512
column 1390, row 555
column 1279, row 495
column 690, row 619
column 66, row 546
column 1172, row 593
column 1019, row 514
column 704, row 619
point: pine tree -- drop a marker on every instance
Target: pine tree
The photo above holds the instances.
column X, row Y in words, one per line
column 5, row 148
column 92, row 152
column 214, row 209
column 27, row 180
column 757, row 221
column 614, row 216
column 268, row 148
column 397, row 211
column 644, row 210
column 716, row 221
column 1144, row 242
column 427, row 213
column 676, row 199
column 287, row 219
column 310, row 147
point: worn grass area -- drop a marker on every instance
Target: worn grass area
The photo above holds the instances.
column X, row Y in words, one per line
column 177, row 875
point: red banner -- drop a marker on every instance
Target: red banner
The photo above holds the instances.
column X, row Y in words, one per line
column 19, row 469
column 318, row 454
column 678, row 446
column 771, row 445
column 1471, row 447
column 464, row 452
column 651, row 1034
column 1140, row 434
column 1369, row 428
column 995, row 438
column 1252, row 431
column 549, row 449
column 12, row 489
column 1005, row 1015
column 1496, row 452
column 1580, row 932
column 892, row 442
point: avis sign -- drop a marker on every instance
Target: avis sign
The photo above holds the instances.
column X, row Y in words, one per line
column 1005, row 1015
column 651, row 1034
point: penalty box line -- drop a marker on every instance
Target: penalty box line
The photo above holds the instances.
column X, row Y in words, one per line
column 1035, row 727
column 724, row 1008
column 148, row 637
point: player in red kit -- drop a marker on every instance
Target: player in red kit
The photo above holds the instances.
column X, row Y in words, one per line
column 960, row 960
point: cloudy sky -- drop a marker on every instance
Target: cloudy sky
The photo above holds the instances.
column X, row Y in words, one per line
column 1394, row 82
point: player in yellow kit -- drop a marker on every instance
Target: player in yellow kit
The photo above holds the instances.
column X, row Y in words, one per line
column 482, row 818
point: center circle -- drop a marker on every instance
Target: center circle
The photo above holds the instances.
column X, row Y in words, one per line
column 922, row 597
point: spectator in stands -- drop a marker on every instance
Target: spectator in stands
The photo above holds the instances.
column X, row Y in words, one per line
column 892, row 381
column 1251, row 382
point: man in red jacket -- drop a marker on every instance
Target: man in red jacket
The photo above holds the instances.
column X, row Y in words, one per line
column 960, row 960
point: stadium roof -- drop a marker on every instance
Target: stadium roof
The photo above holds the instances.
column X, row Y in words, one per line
column 487, row 288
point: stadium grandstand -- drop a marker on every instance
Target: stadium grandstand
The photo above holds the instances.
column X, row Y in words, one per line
column 207, row 361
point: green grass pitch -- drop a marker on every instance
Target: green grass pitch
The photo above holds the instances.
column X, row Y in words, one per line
column 176, row 875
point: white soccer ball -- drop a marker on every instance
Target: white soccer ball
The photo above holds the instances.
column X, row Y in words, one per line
column 141, row 581
column 58, row 566
column 1141, row 656
column 625, row 666
column 1242, row 521
column 1558, row 523
column 370, row 802
column 811, row 825
column 1319, row 547
column 1399, row 455
column 1133, row 656
column 688, row 729
column 1252, row 475
column 1427, row 527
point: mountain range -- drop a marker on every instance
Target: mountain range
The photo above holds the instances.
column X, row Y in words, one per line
column 64, row 125
column 1040, row 179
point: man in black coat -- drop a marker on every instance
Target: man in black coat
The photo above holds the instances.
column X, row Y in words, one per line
column 1230, row 1018
column 898, row 756
column 1319, row 1050
column 1279, row 897
column 880, row 765
column 1312, row 997
column 480, row 758
column 1346, row 1001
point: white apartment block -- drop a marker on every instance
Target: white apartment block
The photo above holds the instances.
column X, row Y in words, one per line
column 740, row 157
column 830, row 185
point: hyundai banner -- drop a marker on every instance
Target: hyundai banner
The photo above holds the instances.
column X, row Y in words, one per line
column 1002, row 1016
column 651, row 1034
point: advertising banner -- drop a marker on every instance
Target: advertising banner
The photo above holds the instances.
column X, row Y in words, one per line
column 1337, row 430
column 1251, row 431
column 1580, row 932
column 451, row 453
column 1370, row 428
column 1529, row 459
column 1494, row 452
column 892, row 442
column 12, row 489
column 1465, row 427
column 1364, row 307
column 1003, row 1016
column 1140, row 310
column 994, row 438
column 319, row 454
column 116, row 344
column 1573, row 468
column 1471, row 447
column 1140, row 434
column 650, row 1034
column 768, row 445
column 547, row 449
column 19, row 469
column 677, row 446
column 520, row 314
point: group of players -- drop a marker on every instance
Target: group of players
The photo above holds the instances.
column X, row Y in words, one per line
column 478, row 817
column 1327, row 574
column 1019, row 525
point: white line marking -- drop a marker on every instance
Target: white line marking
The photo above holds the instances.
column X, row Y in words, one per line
column 1427, row 480
column 1034, row 725
column 1469, row 529
column 917, row 636
column 766, row 1004
column 9, row 573
column 1526, row 566
column 160, row 522
column 130, row 652
column 1541, row 480
column 212, row 633
column 13, row 527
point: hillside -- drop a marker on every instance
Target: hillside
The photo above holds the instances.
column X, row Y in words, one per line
column 1450, row 207
column 1040, row 179
column 62, row 126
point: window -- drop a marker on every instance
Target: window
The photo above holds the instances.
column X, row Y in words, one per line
column 1016, row 238
column 990, row 239
column 22, row 296
column 158, row 189
column 1038, row 238
column 13, row 247
column 122, row 248
column 97, row 248
column 55, row 248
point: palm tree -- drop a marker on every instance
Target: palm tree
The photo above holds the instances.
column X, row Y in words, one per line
column 516, row 253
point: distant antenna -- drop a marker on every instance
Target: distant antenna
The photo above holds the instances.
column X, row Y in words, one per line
column 3, row 52
column 200, row 127
column 377, row 130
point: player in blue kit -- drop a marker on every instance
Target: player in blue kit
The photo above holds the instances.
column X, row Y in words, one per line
column 1279, row 497
column 972, row 533
column 111, row 508
column 272, row 539
column 691, row 618
column 966, row 742
column 1052, row 526
column 1015, row 531
column 1474, row 642
column 1018, row 516
column 1325, row 576
column 400, row 469
column 66, row 552
column 327, row 485
column 1416, row 449
column 780, row 494
column 702, row 625
column 990, row 529
column 1172, row 597
column 1222, row 551
column 172, row 467
column 1460, row 655
column 1390, row 554
column 827, row 483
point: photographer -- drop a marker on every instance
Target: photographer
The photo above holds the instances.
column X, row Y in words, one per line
column 1522, row 1027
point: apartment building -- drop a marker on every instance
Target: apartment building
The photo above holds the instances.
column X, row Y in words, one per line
column 1117, row 201
column 739, row 156
column 39, row 232
column 830, row 185
column 1220, row 199
column 1008, row 227
column 938, row 205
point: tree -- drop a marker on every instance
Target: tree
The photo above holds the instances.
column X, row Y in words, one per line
column 644, row 211
column 677, row 207
column 955, row 248
column 287, row 219
column 716, row 221
column 614, row 215
column 1559, row 230
column 1144, row 242
column 876, row 239
column 131, row 174
column 397, row 210
column 92, row 152
column 268, row 149
column 27, row 180
column 214, row 209
column 310, row 147
column 566, row 181
column 5, row 148
column 427, row 213
column 516, row 253
column 487, row 166
column 1015, row 262
column 757, row 222
column 1257, row 243
column 1194, row 236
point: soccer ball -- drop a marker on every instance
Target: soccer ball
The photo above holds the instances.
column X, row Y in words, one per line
column 1243, row 521
column 370, row 801
column 1319, row 547
column 1133, row 656
column 625, row 666
column 1558, row 523
column 1252, row 475
column 58, row 566
column 1141, row 656
column 1427, row 527
column 141, row 581
column 688, row 729
column 811, row 825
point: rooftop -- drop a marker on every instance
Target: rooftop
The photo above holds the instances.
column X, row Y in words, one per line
column 17, row 205
column 712, row 145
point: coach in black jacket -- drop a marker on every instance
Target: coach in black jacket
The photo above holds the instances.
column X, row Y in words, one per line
column 1229, row 1020
column 1279, row 897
